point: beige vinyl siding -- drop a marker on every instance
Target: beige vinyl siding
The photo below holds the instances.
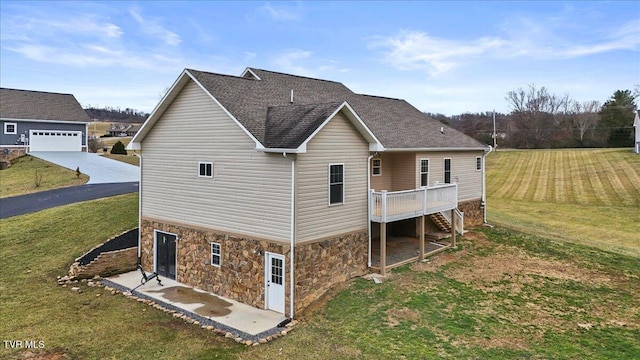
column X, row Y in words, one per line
column 463, row 171
column 338, row 142
column 249, row 192
column 397, row 172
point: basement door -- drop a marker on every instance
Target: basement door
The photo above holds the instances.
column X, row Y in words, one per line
column 274, row 281
column 166, row 255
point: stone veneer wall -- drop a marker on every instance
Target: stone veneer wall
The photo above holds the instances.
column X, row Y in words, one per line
column 473, row 213
column 107, row 264
column 319, row 265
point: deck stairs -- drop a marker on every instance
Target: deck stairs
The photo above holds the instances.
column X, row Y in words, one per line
column 441, row 222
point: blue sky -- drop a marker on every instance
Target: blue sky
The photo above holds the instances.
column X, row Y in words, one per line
column 443, row 57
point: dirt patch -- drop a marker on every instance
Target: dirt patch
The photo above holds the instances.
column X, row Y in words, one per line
column 513, row 265
column 321, row 302
column 49, row 355
column 395, row 316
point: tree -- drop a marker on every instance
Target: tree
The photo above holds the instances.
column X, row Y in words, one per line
column 118, row 148
column 535, row 114
column 616, row 119
column 584, row 118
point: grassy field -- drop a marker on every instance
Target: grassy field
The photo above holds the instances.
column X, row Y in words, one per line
column 35, row 248
column 129, row 159
column 501, row 294
column 589, row 196
column 20, row 178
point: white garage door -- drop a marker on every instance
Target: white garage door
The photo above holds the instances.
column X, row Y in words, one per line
column 54, row 140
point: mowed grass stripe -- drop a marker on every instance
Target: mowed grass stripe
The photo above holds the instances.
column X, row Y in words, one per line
column 513, row 177
column 539, row 181
column 543, row 173
column 528, row 178
column 599, row 189
column 574, row 189
column 560, row 194
column 610, row 172
column 627, row 168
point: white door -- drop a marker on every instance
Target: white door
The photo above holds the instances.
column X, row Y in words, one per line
column 55, row 140
column 274, row 279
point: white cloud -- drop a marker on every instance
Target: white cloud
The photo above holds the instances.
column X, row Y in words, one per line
column 304, row 63
column 280, row 13
column 411, row 50
column 152, row 26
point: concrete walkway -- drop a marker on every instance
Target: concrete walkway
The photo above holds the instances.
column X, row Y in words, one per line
column 242, row 320
column 101, row 170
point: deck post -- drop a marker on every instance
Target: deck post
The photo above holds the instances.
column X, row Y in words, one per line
column 383, row 248
column 421, row 237
column 453, row 228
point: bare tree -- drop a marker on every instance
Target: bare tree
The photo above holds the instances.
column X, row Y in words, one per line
column 585, row 117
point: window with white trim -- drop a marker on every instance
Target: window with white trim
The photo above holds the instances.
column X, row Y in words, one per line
column 478, row 163
column 336, row 184
column 424, row 172
column 216, row 257
column 10, row 128
column 376, row 167
column 206, row 169
column 447, row 171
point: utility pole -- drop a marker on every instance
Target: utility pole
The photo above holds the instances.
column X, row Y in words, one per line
column 495, row 138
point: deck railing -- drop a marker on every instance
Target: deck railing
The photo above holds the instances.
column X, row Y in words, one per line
column 387, row 206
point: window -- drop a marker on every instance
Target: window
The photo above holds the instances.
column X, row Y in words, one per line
column 206, row 169
column 478, row 163
column 447, row 171
column 336, row 184
column 10, row 128
column 376, row 167
column 215, row 254
column 424, row 172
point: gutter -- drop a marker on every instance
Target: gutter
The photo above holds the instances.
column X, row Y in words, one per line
column 292, row 238
column 139, row 208
column 484, row 186
column 369, row 206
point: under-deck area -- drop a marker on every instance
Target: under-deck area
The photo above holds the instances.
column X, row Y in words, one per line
column 401, row 250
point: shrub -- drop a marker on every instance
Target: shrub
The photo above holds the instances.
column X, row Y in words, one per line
column 94, row 145
column 118, row 148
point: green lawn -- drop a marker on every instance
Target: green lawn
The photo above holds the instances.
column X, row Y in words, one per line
column 21, row 178
column 501, row 294
column 35, row 248
column 589, row 196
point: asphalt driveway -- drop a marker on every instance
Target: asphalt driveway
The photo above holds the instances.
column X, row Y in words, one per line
column 101, row 170
column 24, row 204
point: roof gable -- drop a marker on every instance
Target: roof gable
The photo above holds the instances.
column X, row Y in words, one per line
column 40, row 105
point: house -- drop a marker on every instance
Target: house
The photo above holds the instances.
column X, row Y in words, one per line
column 269, row 188
column 41, row 121
column 123, row 130
column 636, row 124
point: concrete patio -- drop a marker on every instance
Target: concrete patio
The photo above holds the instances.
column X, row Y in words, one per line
column 231, row 316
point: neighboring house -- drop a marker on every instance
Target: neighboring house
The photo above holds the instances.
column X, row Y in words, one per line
column 636, row 124
column 241, row 172
column 41, row 121
column 123, row 130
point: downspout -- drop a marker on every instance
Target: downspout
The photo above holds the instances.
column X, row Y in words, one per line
column 292, row 237
column 484, row 186
column 369, row 206
column 139, row 209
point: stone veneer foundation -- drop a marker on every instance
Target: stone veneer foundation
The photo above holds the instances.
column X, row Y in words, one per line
column 318, row 266
column 473, row 213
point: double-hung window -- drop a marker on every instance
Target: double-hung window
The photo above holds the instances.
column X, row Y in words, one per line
column 336, row 184
column 447, row 171
column 215, row 254
column 10, row 128
column 424, row 172
column 206, row 169
column 376, row 167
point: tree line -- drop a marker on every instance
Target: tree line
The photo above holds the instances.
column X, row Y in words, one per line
column 116, row 114
column 541, row 119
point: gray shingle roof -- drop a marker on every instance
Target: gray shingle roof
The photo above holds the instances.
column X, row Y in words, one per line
column 264, row 107
column 39, row 105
